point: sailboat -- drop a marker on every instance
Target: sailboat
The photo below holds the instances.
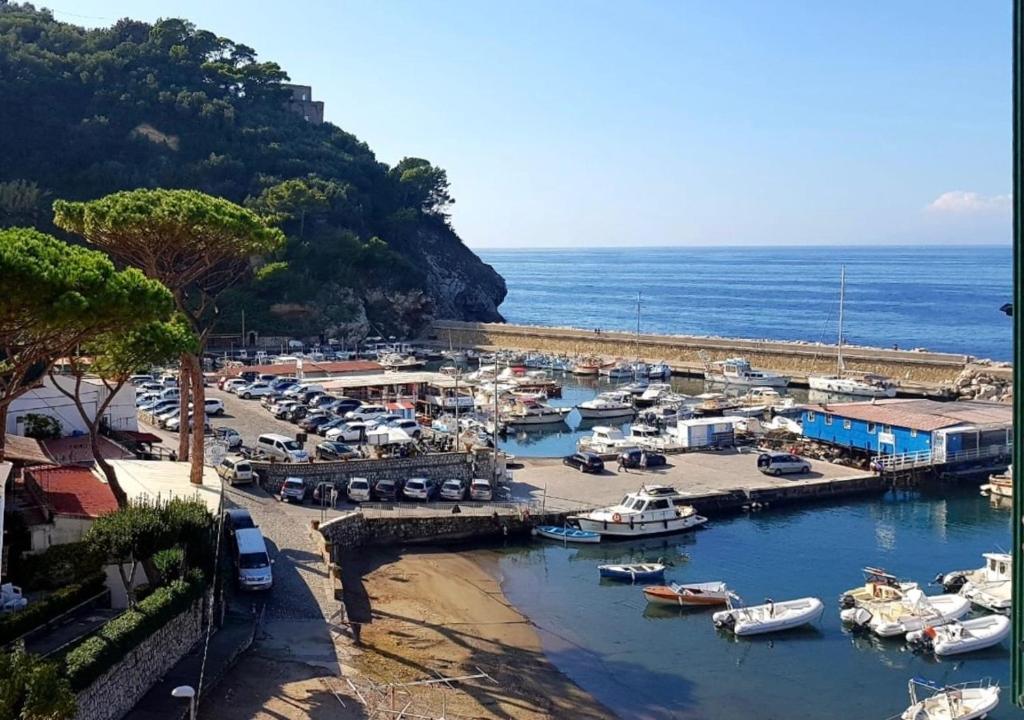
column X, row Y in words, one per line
column 845, row 382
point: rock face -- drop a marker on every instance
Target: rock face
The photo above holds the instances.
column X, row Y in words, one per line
column 976, row 384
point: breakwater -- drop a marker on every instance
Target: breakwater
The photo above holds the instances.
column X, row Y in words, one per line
column 916, row 370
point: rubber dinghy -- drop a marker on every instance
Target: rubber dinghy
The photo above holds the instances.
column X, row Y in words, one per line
column 965, row 701
column 963, row 636
column 915, row 611
column 770, row 617
column 637, row 572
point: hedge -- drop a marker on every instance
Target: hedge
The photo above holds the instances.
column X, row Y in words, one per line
column 102, row 650
column 60, row 565
column 14, row 625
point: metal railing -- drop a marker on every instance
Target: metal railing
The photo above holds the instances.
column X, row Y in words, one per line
column 928, row 458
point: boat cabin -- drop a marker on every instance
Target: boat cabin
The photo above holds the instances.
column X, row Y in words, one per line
column 650, row 503
column 998, row 567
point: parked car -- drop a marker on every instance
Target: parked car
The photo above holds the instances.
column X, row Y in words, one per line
column 480, row 489
column 293, row 489
column 283, row 383
column 234, row 384
column 295, row 413
column 236, row 519
column 365, row 413
column 387, row 490
column 171, row 393
column 282, row 409
column 323, row 490
column 333, row 450
column 346, row 405
column 313, row 419
column 453, row 489
column 214, row 406
column 256, row 389
column 252, row 560
column 228, row 436
column 411, row 427
column 585, row 462
column 160, row 419
column 359, row 490
column 235, row 471
column 420, row 489
column 155, row 407
column 302, row 388
column 271, row 399
column 331, row 423
column 348, row 432
column 637, row 458
column 140, row 380
column 281, row 447
column 779, row 463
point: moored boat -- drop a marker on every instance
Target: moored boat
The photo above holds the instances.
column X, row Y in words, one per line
column 879, row 586
column 988, row 587
column 737, row 371
column 652, row 510
column 610, row 404
column 634, row 572
column 914, row 611
column 688, row 594
column 1000, row 484
column 566, row 534
column 962, row 636
column 964, row 701
column 770, row 617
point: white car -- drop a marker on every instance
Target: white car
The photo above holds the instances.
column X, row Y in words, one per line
column 367, row 412
column 349, row 432
column 359, row 490
column 480, row 489
column 257, row 389
column 213, row 406
column 166, row 416
column 411, row 427
column 779, row 463
column 234, row 384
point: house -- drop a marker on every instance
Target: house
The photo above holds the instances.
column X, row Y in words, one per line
column 46, row 399
column 67, row 499
column 948, row 431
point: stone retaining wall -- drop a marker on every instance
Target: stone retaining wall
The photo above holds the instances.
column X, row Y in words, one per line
column 797, row 359
column 116, row 691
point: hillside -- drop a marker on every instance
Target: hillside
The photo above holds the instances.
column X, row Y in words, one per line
column 89, row 112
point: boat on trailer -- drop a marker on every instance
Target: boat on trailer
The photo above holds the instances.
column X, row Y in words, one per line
column 688, row 595
column 634, row 572
column 567, row 534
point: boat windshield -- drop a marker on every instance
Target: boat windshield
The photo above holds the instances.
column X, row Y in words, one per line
column 638, row 505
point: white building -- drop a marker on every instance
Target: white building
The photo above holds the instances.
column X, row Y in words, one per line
column 47, row 400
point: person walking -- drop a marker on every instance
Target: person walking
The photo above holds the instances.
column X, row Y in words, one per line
column 621, row 467
column 643, row 459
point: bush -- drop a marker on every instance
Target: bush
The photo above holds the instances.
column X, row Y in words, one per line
column 16, row 624
column 101, row 651
column 42, row 427
column 59, row 566
column 33, row 689
column 170, row 564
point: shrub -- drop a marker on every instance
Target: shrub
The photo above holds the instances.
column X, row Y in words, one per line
column 170, row 563
column 42, row 427
column 60, row 565
column 16, row 624
column 33, row 689
column 102, row 650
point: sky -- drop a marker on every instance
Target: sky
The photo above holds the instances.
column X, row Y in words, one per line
column 593, row 123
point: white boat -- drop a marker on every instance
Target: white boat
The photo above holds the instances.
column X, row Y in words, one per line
column 962, row 636
column 649, row 437
column 660, row 370
column 606, row 405
column 988, row 587
column 688, row 594
column 879, row 587
column 999, row 484
column 618, row 370
column 770, row 617
column 844, row 382
column 588, row 366
column 397, row 361
column 965, row 701
column 737, row 371
column 653, row 393
column 914, row 611
column 652, row 510
column 534, row 413
column 604, row 440
column 634, row 572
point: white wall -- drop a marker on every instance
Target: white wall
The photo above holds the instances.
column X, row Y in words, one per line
column 47, row 400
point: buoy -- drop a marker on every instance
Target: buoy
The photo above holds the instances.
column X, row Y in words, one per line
column 616, row 518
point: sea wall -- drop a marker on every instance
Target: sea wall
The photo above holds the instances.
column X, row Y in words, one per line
column 685, row 352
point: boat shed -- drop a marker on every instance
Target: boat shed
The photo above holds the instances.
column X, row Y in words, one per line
column 946, row 431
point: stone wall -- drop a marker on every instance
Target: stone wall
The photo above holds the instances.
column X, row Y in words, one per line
column 116, row 691
column 684, row 352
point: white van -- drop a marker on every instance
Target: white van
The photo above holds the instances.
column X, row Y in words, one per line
column 252, row 560
column 281, row 447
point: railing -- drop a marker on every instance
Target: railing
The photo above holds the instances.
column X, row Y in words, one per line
column 928, row 458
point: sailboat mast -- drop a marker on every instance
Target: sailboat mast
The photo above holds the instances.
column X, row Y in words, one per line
column 842, row 299
column 638, row 327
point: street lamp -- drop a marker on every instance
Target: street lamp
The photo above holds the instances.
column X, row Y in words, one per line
column 187, row 692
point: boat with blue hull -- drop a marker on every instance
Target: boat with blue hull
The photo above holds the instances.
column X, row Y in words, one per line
column 567, row 534
column 634, row 572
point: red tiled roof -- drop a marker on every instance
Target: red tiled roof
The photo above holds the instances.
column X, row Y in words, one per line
column 925, row 415
column 73, row 490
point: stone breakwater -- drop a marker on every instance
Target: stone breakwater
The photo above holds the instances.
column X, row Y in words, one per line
column 918, row 370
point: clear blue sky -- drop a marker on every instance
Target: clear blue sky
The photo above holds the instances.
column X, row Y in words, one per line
column 590, row 122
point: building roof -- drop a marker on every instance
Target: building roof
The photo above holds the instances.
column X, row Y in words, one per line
column 339, row 367
column 925, row 415
column 25, row 450
column 386, row 379
column 74, row 491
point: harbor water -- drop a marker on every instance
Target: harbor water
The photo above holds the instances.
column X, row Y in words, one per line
column 940, row 298
column 646, row 662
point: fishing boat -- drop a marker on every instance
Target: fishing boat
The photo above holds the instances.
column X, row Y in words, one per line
column 619, row 370
column 685, row 595
column 879, row 586
column 964, row 701
column 609, row 404
column 660, row 370
column 999, row 484
column 566, row 534
column 737, row 371
column 988, row 587
column 914, row 611
column 769, row 617
column 636, row 572
column 653, row 393
column 962, row 636
column 587, row 366
column 652, row 510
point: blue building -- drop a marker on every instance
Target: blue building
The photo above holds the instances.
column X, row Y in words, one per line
column 945, row 430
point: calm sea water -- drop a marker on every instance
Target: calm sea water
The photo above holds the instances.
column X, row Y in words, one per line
column 666, row 663
column 940, row 298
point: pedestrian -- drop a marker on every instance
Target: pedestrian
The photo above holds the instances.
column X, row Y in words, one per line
column 334, row 497
column 621, row 467
column 643, row 459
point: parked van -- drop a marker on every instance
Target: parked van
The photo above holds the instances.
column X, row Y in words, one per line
column 777, row 463
column 252, row 560
column 281, row 447
column 236, row 471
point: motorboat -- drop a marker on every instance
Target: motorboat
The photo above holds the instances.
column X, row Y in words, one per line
column 653, row 393
column 609, row 404
column 587, row 366
column 999, row 484
column 640, row 369
column 661, row 370
column 566, row 534
column 649, row 437
column 534, row 413
column 618, row 370
column 763, row 398
column 652, row 510
column 636, row 388
column 737, row 371
column 914, row 611
column 964, row 701
column 604, row 440
column 962, row 636
column 397, row 361
column 879, row 587
column 636, row 572
column 770, row 617
column 687, row 595
column 988, row 587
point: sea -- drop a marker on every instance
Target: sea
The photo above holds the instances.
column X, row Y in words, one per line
column 941, row 298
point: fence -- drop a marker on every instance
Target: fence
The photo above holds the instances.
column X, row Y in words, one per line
column 928, row 458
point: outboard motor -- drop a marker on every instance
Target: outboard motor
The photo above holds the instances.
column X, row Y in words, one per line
column 725, row 620
column 846, row 602
column 921, row 640
column 954, row 583
column 858, row 618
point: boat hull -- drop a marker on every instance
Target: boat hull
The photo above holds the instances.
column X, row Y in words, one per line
column 641, row 529
column 719, row 379
column 756, row 621
column 666, row 596
column 588, row 413
column 847, row 386
column 554, row 532
column 624, row 574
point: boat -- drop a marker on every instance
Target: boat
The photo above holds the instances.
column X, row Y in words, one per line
column 879, row 586
column 653, row 393
column 999, row 484
column 649, row 437
column 609, row 404
column 844, row 382
column 690, row 594
column 604, row 440
column 770, row 617
column 397, row 361
column 636, row 572
column 588, row 366
column 530, row 412
column 660, row 370
column 962, row 636
column 652, row 510
column 737, row 371
column 914, row 611
column 964, row 701
column 566, row 534
column 988, row 587
column 619, row 370
column 635, row 388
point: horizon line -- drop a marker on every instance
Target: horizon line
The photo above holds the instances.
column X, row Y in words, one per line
column 867, row 246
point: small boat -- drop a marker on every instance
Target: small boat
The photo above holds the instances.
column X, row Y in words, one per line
column 653, row 510
column 604, row 440
column 653, row 393
column 999, row 485
column 531, row 412
column 610, row 404
column 962, row 636
column 964, row 701
column 660, row 370
column 879, row 587
column 692, row 594
column 617, row 371
column 737, row 371
column 770, row 617
column 567, row 534
column 988, row 586
column 914, row 611
column 635, row 572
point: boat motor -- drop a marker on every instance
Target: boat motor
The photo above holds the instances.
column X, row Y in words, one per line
column 954, row 582
column 858, row 617
column 847, row 601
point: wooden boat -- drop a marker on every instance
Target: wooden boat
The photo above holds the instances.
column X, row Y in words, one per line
column 636, row 572
column 770, row 617
column 961, row 637
column 692, row 594
column 567, row 534
column 964, row 701
column 999, row 485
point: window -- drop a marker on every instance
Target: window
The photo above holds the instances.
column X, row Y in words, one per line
column 810, row 416
column 888, row 429
column 847, row 424
column 871, row 428
column 659, row 504
column 828, row 418
column 913, row 432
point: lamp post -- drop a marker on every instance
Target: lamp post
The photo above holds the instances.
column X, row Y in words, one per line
column 1017, row 589
column 187, row 692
